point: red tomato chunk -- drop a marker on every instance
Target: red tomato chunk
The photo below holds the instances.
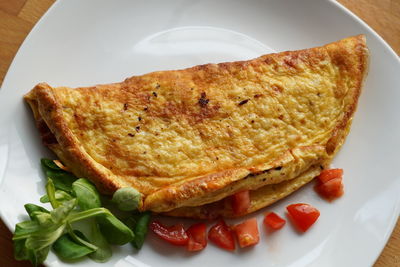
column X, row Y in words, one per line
column 330, row 184
column 303, row 215
column 197, row 237
column 241, row 202
column 274, row 221
column 247, row 233
column 331, row 190
column 222, row 236
column 175, row 234
column 327, row 175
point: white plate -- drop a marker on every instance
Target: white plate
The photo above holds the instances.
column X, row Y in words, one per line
column 97, row 41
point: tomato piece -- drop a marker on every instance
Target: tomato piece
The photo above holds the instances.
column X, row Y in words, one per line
column 274, row 221
column 175, row 234
column 331, row 189
column 303, row 215
column 193, row 246
column 222, row 236
column 197, row 237
column 330, row 184
column 327, row 175
column 241, row 202
column 247, row 233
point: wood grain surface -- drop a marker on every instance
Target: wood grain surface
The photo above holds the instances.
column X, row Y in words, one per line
column 17, row 17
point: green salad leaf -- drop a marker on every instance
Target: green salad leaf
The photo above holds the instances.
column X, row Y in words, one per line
column 32, row 210
column 62, row 179
column 140, row 229
column 115, row 231
column 103, row 252
column 60, row 196
column 67, row 249
column 86, row 193
column 76, row 200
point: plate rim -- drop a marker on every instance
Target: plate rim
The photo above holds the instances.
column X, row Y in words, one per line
column 395, row 217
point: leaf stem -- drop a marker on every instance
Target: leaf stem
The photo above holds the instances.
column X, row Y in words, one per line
column 78, row 239
column 87, row 214
column 50, row 190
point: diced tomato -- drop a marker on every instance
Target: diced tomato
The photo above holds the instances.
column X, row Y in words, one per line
column 331, row 189
column 330, row 184
column 247, row 233
column 197, row 237
column 241, row 202
column 222, row 236
column 274, row 221
column 175, row 234
column 303, row 215
column 327, row 175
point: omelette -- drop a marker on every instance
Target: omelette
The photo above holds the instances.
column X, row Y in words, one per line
column 188, row 139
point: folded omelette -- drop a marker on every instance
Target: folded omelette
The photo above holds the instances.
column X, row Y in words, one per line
column 188, row 139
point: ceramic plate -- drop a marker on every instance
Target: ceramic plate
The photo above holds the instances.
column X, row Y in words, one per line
column 79, row 43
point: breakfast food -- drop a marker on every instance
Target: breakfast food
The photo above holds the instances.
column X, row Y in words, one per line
column 188, row 139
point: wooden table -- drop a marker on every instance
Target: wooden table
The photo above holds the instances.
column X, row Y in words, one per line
column 17, row 17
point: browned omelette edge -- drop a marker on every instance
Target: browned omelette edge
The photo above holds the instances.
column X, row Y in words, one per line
column 288, row 166
column 49, row 110
column 259, row 199
column 50, row 121
column 342, row 129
